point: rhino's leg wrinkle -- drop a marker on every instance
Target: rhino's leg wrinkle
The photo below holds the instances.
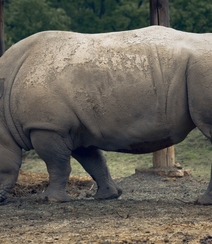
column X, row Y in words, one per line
column 10, row 162
column 94, row 163
column 206, row 198
column 53, row 150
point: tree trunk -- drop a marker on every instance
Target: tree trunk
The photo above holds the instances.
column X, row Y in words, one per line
column 159, row 15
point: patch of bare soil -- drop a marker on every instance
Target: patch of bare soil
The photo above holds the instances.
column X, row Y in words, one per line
column 152, row 209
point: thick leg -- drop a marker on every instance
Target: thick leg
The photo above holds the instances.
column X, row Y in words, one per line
column 200, row 104
column 52, row 148
column 10, row 162
column 206, row 198
column 94, row 163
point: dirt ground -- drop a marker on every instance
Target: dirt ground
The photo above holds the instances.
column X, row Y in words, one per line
column 152, row 209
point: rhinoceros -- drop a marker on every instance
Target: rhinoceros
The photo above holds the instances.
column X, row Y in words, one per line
column 68, row 94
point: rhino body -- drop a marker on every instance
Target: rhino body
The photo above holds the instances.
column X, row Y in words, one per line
column 69, row 94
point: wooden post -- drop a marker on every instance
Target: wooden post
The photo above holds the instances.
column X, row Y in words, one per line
column 159, row 12
column 1, row 27
column 159, row 15
column 163, row 160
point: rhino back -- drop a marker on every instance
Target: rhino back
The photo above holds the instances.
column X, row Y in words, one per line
column 109, row 90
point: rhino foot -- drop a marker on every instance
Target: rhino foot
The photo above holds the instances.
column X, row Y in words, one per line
column 3, row 196
column 53, row 197
column 108, row 193
column 3, row 193
column 205, row 199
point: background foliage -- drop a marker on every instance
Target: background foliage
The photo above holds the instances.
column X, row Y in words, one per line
column 25, row 17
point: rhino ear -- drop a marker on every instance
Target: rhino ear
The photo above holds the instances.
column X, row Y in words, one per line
column 1, row 87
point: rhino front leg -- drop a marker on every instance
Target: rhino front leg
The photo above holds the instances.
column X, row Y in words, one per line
column 206, row 198
column 10, row 162
column 94, row 163
column 53, row 149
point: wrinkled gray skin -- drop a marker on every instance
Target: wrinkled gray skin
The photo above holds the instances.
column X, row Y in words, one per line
column 68, row 94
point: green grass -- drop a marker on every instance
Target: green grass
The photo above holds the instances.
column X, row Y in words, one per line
column 194, row 153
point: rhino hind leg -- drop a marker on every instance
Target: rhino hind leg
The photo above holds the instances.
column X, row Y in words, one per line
column 10, row 162
column 206, row 198
column 52, row 148
column 94, row 163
